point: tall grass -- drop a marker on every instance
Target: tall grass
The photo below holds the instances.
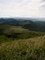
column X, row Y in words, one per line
column 23, row 49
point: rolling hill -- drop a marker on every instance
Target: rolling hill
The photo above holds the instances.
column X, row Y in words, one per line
column 23, row 49
column 27, row 24
column 22, row 39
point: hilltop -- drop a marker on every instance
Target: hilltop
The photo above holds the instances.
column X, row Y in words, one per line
column 23, row 49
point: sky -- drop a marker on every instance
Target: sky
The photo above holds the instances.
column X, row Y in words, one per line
column 22, row 8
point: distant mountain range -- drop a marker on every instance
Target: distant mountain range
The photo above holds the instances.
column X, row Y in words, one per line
column 37, row 24
column 21, row 19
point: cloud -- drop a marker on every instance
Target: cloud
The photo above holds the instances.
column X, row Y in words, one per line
column 13, row 1
column 21, row 8
column 42, row 7
column 42, row 0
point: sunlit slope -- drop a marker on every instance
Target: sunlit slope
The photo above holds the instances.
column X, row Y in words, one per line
column 23, row 49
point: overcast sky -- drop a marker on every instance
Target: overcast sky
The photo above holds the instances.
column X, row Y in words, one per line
column 22, row 8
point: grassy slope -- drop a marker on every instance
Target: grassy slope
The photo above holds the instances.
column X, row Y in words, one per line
column 9, row 33
column 23, row 49
column 26, row 46
column 10, row 29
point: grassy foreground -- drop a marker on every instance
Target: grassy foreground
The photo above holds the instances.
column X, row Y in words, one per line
column 23, row 49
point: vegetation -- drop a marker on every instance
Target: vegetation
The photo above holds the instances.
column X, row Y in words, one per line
column 23, row 49
column 27, row 24
column 9, row 33
column 22, row 40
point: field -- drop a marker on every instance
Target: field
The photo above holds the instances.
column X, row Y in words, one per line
column 23, row 49
column 9, row 33
column 19, row 43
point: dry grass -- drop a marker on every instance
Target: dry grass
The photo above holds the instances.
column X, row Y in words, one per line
column 38, row 41
column 23, row 49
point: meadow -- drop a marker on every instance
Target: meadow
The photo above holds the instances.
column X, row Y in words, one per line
column 18, row 43
column 23, row 49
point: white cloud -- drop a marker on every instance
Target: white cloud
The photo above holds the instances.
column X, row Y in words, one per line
column 21, row 8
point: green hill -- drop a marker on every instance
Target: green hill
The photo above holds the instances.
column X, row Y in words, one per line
column 22, row 40
column 23, row 49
